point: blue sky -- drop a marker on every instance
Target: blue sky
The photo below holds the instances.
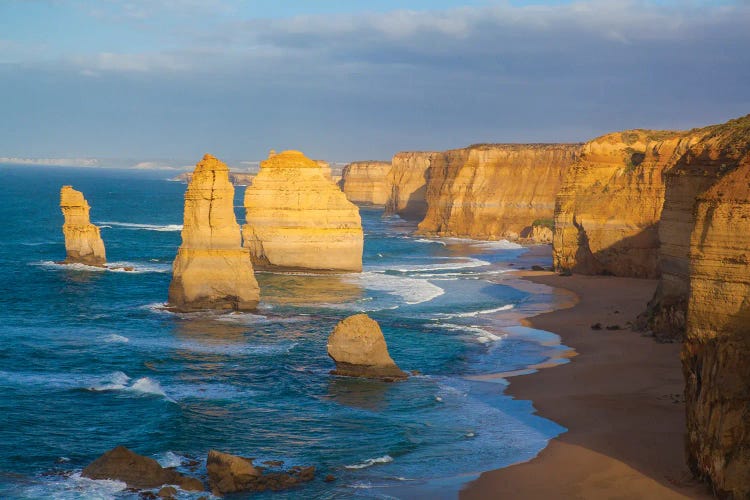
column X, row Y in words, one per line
column 347, row 80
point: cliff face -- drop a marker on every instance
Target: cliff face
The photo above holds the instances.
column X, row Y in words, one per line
column 495, row 191
column 608, row 209
column 211, row 270
column 716, row 351
column 83, row 242
column 297, row 218
column 366, row 182
column 408, row 181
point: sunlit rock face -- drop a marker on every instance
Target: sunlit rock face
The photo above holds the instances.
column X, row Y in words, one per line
column 407, row 179
column 495, row 191
column 297, row 218
column 366, row 182
column 212, row 269
column 83, row 241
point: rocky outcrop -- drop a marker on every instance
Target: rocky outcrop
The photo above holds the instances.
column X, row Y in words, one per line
column 212, row 269
column 716, row 351
column 358, row 347
column 608, row 208
column 366, row 182
column 296, row 218
column 408, row 183
column 137, row 471
column 232, row 474
column 495, row 191
column 325, row 169
column 83, row 242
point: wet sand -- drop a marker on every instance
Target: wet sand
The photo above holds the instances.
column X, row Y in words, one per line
column 620, row 398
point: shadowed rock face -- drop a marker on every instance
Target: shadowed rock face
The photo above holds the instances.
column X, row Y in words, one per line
column 83, row 241
column 367, row 182
column 297, row 218
column 408, row 178
column 212, row 270
column 495, row 191
column 358, row 347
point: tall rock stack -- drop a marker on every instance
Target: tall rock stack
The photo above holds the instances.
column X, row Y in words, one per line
column 212, row 270
column 408, row 178
column 83, row 242
column 297, row 218
column 366, row 182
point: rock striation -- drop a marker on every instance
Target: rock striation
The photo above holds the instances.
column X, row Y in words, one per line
column 495, row 191
column 358, row 347
column 297, row 218
column 408, row 183
column 83, row 241
column 212, row 270
column 366, row 182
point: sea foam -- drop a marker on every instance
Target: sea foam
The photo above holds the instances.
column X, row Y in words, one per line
column 370, row 462
column 146, row 227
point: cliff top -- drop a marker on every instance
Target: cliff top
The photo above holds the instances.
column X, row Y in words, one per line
column 210, row 163
column 288, row 159
column 69, row 197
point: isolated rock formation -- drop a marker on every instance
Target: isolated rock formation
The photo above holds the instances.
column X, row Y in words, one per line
column 366, row 182
column 231, row 474
column 608, row 209
column 716, row 351
column 296, row 218
column 212, row 269
column 236, row 178
column 358, row 347
column 83, row 242
column 137, row 471
column 408, row 181
column 495, row 191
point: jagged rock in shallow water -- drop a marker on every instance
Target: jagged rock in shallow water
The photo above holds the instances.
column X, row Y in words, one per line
column 358, row 347
column 83, row 242
column 231, row 474
column 137, row 471
column 366, row 182
column 297, row 218
column 212, row 269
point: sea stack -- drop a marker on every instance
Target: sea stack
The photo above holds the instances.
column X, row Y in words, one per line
column 366, row 182
column 297, row 218
column 83, row 242
column 358, row 347
column 212, row 269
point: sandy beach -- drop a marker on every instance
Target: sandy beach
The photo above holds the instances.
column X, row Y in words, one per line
column 620, row 398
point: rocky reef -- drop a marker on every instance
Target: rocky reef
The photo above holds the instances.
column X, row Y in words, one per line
column 297, row 218
column 358, row 347
column 232, row 474
column 366, row 182
column 408, row 183
column 212, row 270
column 496, row 191
column 83, row 241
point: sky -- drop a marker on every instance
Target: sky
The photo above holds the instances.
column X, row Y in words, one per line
column 165, row 81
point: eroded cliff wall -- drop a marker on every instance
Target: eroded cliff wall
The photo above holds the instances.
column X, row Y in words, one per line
column 83, row 241
column 494, row 191
column 366, row 182
column 408, row 180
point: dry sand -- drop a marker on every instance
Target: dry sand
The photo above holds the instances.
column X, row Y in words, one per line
column 620, row 398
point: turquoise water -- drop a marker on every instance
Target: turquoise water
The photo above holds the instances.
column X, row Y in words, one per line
column 89, row 359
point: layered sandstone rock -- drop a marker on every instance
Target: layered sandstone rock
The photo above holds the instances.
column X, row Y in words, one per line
column 325, row 169
column 408, row 183
column 716, row 352
column 495, row 191
column 83, row 242
column 608, row 208
column 212, row 269
column 366, row 182
column 358, row 347
column 296, row 218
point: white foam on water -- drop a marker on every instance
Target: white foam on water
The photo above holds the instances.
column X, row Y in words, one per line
column 48, row 264
column 113, row 338
column 426, row 240
column 146, row 385
column 146, row 227
column 472, row 314
column 113, row 267
column 484, row 244
column 455, row 264
column 115, row 381
column 370, row 462
column 410, row 290
column 76, row 487
column 169, row 459
column 483, row 336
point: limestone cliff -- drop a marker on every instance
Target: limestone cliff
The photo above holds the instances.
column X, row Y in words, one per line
column 610, row 202
column 716, row 352
column 212, row 269
column 495, row 191
column 325, row 169
column 297, row 218
column 83, row 242
column 408, row 183
column 366, row 182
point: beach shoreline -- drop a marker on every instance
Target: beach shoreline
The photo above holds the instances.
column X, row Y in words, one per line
column 620, row 399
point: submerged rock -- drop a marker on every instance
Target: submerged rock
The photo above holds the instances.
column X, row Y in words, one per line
column 83, row 242
column 137, row 471
column 358, row 347
column 212, row 270
column 231, row 474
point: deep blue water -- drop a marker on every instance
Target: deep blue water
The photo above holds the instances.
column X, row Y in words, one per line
column 89, row 360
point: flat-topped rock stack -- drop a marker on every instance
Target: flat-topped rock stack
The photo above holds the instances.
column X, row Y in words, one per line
column 83, row 241
column 366, row 182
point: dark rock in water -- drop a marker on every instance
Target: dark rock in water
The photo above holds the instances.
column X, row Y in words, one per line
column 537, row 268
column 147, row 495
column 596, row 326
column 614, row 327
column 329, row 478
column 137, row 471
column 230, row 474
column 274, row 463
column 168, row 492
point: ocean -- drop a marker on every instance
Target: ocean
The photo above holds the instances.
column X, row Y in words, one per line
column 89, row 359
